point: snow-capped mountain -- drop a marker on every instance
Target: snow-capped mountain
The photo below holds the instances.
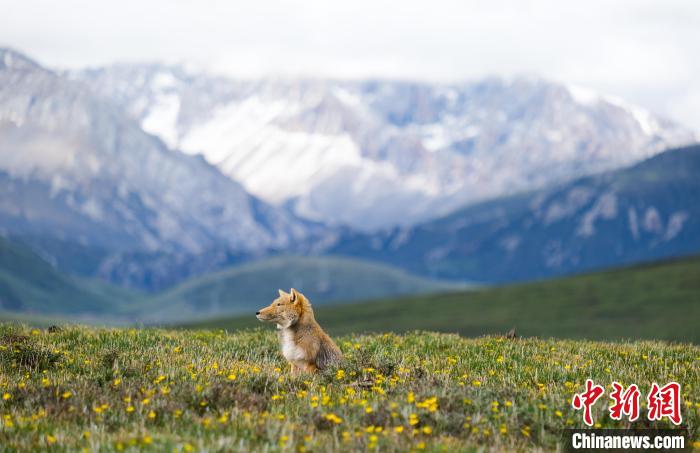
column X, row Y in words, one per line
column 74, row 167
column 373, row 154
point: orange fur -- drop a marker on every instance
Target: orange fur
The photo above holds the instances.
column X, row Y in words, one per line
column 304, row 343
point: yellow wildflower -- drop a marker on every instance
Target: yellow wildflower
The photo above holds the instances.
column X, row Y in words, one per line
column 334, row 419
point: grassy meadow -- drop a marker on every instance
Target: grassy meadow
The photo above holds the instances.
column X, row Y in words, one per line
column 110, row 389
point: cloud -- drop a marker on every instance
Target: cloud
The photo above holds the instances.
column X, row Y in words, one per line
column 644, row 51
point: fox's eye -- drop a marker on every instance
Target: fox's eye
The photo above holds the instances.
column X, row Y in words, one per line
column 279, row 303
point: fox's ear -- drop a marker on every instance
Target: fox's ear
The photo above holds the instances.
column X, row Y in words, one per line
column 294, row 296
column 282, row 293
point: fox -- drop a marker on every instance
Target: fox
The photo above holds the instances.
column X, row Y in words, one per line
column 304, row 343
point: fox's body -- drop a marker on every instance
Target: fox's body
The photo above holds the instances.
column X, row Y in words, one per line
column 304, row 343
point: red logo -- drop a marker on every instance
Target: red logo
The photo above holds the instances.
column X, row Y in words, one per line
column 665, row 402
column 626, row 402
column 587, row 399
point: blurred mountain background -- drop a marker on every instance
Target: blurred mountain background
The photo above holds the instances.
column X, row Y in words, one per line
column 153, row 193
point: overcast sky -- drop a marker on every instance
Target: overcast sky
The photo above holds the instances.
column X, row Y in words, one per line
column 647, row 52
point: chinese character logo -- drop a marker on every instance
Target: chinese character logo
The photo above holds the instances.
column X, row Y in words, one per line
column 626, row 402
column 587, row 399
column 665, row 402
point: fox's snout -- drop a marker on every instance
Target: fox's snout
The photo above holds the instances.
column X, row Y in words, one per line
column 264, row 314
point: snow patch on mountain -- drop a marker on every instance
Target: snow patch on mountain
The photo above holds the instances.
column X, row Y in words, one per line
column 244, row 142
column 583, row 95
column 675, row 225
column 162, row 120
column 605, row 208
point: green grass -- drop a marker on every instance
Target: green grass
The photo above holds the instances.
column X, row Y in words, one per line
column 655, row 301
column 158, row 390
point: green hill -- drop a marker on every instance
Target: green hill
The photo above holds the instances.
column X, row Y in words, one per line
column 32, row 290
column 247, row 287
column 659, row 301
column 31, row 286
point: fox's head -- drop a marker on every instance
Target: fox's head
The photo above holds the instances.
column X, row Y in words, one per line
column 286, row 310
